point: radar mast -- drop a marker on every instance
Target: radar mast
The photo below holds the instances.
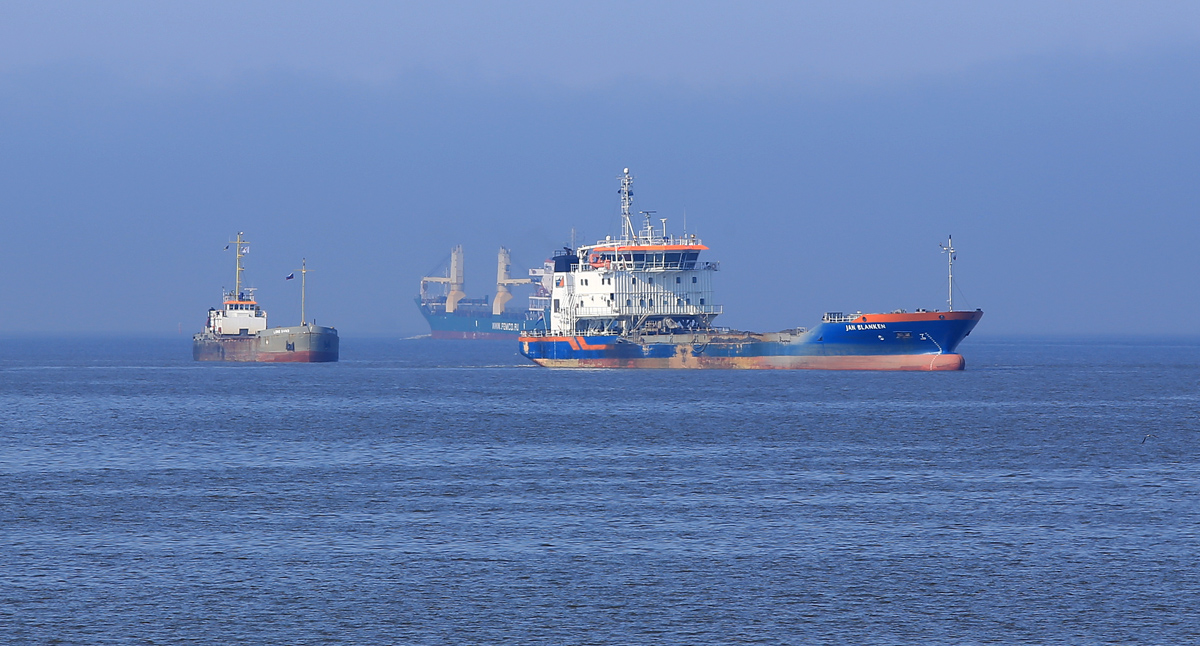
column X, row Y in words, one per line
column 239, row 251
column 626, row 191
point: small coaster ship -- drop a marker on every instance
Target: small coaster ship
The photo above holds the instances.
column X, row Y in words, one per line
column 451, row 315
column 238, row 331
column 645, row 300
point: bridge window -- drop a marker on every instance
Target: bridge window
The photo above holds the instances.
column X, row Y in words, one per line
column 650, row 280
column 629, row 302
column 693, row 279
column 678, row 280
column 702, row 301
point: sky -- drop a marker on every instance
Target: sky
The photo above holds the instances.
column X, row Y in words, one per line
column 822, row 150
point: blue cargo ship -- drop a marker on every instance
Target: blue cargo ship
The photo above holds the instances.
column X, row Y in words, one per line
column 451, row 315
column 645, row 300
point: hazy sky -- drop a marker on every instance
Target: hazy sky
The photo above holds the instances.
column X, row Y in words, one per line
column 823, row 150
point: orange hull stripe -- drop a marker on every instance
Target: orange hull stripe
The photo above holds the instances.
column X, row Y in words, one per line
column 654, row 247
column 916, row 316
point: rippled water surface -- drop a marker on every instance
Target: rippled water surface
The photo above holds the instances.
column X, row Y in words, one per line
column 423, row 492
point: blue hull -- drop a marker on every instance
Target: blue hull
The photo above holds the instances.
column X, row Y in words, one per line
column 477, row 322
column 919, row 341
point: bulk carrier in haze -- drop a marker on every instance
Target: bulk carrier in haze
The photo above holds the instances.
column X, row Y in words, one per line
column 451, row 315
column 238, row 331
column 645, row 300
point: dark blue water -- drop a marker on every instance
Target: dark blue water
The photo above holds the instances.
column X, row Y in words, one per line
column 423, row 492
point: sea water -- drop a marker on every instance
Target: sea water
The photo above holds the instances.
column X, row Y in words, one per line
column 425, row 492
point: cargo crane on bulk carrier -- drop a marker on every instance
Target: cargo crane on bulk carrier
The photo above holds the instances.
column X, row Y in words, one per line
column 645, row 300
column 452, row 315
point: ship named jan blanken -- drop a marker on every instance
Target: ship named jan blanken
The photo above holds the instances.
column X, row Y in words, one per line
column 645, row 300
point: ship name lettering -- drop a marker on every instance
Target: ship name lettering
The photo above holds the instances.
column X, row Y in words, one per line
column 865, row 326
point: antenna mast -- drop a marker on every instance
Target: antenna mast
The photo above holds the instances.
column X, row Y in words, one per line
column 626, row 202
column 239, row 252
column 948, row 249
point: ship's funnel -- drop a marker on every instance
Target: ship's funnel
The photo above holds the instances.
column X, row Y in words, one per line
column 503, row 295
column 454, row 280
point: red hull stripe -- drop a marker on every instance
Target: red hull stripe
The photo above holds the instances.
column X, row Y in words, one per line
column 296, row 357
column 916, row 362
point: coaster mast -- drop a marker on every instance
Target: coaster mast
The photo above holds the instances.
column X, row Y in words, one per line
column 303, row 276
column 239, row 252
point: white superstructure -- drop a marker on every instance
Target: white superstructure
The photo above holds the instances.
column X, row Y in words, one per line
column 239, row 315
column 646, row 281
